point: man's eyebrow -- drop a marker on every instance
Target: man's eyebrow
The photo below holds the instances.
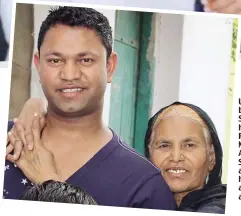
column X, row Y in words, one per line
column 53, row 53
column 86, row 53
column 80, row 54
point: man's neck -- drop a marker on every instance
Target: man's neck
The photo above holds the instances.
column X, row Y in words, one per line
column 82, row 124
column 81, row 129
column 74, row 141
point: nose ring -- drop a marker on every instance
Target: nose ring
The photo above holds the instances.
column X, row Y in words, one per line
column 182, row 157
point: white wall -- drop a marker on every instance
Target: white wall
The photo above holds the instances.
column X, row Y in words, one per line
column 40, row 13
column 3, row 64
column 205, row 67
column 168, row 59
column 191, row 70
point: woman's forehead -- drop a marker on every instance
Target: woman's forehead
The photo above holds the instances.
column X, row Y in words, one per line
column 179, row 126
column 179, row 111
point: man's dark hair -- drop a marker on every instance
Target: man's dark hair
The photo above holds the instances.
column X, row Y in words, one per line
column 54, row 191
column 82, row 17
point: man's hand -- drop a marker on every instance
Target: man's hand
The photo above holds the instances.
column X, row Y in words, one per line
column 38, row 165
column 222, row 6
column 31, row 107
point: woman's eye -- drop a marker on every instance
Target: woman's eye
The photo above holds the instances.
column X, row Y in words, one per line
column 189, row 145
column 164, row 145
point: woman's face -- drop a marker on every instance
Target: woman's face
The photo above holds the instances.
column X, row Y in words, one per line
column 181, row 152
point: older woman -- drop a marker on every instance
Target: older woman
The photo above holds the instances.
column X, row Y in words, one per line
column 182, row 141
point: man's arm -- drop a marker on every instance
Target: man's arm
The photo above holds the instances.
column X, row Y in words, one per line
column 154, row 194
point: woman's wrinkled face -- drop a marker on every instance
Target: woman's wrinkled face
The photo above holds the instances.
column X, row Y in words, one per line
column 180, row 150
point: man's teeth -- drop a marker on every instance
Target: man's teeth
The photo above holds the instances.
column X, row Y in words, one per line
column 71, row 90
column 177, row 171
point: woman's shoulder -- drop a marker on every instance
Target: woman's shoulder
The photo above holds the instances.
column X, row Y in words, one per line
column 215, row 205
column 208, row 200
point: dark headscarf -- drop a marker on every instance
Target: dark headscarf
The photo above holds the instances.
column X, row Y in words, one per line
column 214, row 183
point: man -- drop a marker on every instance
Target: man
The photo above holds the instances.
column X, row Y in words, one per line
column 75, row 62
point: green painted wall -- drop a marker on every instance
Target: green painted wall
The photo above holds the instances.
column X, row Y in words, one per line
column 123, row 88
column 132, row 85
column 145, row 81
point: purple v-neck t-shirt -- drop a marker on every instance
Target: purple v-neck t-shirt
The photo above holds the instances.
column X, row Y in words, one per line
column 115, row 176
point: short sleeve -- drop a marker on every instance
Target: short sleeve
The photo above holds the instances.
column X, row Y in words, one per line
column 154, row 194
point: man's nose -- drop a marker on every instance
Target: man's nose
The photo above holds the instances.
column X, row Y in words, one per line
column 70, row 71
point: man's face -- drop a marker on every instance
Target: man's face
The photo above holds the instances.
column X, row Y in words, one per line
column 74, row 70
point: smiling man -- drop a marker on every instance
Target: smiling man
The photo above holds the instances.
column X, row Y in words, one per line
column 75, row 62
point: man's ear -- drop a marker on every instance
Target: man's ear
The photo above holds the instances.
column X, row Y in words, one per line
column 111, row 66
column 36, row 59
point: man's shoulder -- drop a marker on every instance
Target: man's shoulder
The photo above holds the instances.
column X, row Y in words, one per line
column 125, row 155
column 15, row 182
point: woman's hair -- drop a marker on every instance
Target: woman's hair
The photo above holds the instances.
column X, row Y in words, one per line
column 184, row 111
column 54, row 191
